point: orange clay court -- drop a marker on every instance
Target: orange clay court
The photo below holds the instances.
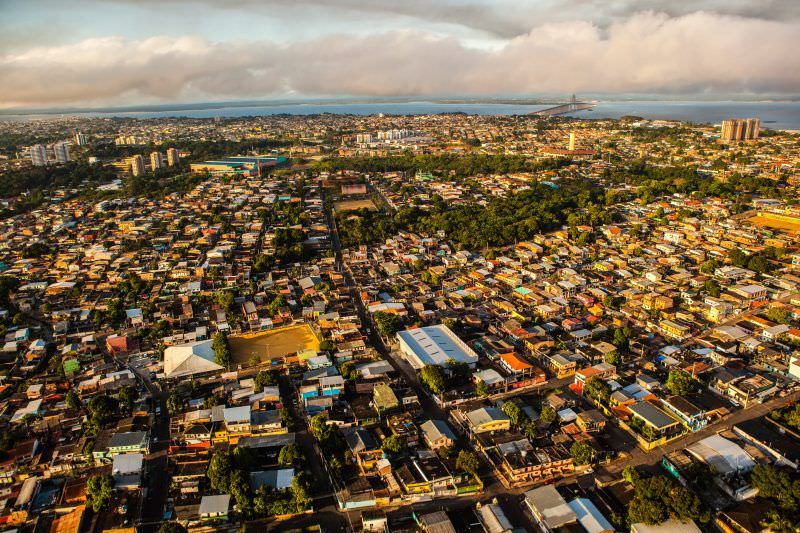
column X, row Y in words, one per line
column 273, row 344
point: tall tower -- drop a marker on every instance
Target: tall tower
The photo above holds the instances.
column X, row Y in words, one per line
column 38, row 155
column 156, row 161
column 137, row 165
column 61, row 151
column 572, row 141
column 173, row 157
column 753, row 128
column 80, row 138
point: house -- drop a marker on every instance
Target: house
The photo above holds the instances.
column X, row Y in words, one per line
column 654, row 418
column 549, row 508
column 514, row 364
column 215, row 507
column 494, row 519
column 437, row 434
column 71, row 522
column 384, row 399
column 591, row 421
column 363, row 447
column 561, row 366
column 192, row 359
column 129, row 442
column 487, row 419
column 692, row 416
column 127, row 470
column 590, row 517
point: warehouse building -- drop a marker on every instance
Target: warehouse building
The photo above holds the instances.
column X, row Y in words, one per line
column 434, row 345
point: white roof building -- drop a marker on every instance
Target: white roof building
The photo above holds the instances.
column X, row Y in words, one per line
column 190, row 359
column 725, row 456
column 434, row 345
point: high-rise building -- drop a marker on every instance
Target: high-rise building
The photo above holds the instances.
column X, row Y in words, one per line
column 173, row 157
column 737, row 129
column 61, row 152
column 571, row 142
column 156, row 161
column 753, row 128
column 137, row 165
column 38, row 155
column 80, row 138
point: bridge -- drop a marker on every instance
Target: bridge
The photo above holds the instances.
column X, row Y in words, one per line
column 563, row 109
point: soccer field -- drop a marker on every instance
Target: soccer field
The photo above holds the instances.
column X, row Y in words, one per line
column 273, row 344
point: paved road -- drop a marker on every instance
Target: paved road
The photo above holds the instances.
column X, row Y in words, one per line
column 400, row 366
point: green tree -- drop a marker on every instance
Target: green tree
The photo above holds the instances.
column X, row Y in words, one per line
column 394, row 444
column 225, row 300
column 776, row 522
column 266, row 378
column 175, row 403
column 681, row 383
column 738, row 257
column 291, row 454
column 482, row 388
column 598, row 389
column 127, row 398
column 239, row 489
column 778, row 314
column 582, row 453
column 72, row 400
column 631, row 474
column 459, row 370
column 220, row 469
column 103, row 409
column 214, row 400
column 277, row 303
column 99, row 490
column 646, row 511
column 388, row 323
column 515, row 413
column 349, row 371
column 301, row 494
column 171, row 527
column 776, row 484
column 467, row 461
column 712, row 288
column 548, row 415
column 327, row 346
column 433, row 378
column 222, row 350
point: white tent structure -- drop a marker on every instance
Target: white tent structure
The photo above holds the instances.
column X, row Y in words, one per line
column 725, row 456
column 190, row 359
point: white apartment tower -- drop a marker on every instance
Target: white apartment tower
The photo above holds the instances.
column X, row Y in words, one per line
column 61, row 152
column 156, row 161
column 173, row 157
column 137, row 165
column 38, row 155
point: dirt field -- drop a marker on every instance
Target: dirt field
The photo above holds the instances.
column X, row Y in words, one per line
column 768, row 221
column 272, row 344
column 347, row 205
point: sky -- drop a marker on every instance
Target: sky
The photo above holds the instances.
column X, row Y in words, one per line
column 130, row 52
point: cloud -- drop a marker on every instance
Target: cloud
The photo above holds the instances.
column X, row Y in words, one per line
column 645, row 52
column 502, row 18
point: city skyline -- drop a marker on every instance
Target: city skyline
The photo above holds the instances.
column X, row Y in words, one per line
column 127, row 53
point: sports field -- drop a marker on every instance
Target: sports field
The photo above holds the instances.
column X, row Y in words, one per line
column 770, row 220
column 273, row 344
column 347, row 205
